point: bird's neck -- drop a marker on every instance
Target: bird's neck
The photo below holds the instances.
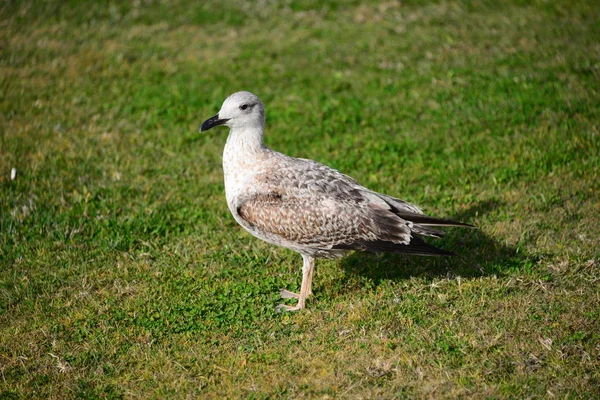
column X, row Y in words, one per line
column 244, row 144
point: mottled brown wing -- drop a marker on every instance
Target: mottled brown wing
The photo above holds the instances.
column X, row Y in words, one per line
column 321, row 221
column 314, row 206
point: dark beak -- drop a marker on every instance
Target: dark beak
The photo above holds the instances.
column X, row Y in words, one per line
column 212, row 122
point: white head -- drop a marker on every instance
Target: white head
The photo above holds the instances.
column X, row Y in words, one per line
column 240, row 110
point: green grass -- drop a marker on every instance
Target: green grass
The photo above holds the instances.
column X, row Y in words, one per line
column 122, row 274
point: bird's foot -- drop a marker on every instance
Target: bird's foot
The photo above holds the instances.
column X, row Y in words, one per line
column 285, row 307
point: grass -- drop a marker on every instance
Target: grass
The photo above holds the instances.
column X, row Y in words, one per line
column 124, row 276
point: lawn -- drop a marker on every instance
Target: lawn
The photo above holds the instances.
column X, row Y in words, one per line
column 123, row 275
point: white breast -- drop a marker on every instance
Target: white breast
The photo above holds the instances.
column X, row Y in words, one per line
column 243, row 160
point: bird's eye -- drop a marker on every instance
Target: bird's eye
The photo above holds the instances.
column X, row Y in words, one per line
column 243, row 106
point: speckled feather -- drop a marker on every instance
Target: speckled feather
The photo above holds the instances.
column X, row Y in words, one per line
column 316, row 210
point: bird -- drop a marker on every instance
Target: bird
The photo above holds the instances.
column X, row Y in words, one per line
column 306, row 206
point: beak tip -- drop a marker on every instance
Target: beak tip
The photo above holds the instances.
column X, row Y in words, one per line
column 212, row 122
column 206, row 125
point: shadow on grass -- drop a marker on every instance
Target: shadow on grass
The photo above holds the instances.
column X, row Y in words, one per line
column 477, row 254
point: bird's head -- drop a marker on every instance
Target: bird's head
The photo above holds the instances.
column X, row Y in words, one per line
column 240, row 110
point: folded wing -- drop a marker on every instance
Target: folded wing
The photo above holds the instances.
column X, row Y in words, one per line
column 318, row 208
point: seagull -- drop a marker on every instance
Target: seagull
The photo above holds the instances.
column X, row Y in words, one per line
column 307, row 206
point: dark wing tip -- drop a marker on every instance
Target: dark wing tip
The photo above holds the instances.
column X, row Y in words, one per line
column 417, row 246
column 426, row 220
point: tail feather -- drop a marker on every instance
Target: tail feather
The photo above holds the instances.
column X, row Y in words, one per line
column 393, row 232
column 426, row 231
column 417, row 246
column 412, row 213
column 426, row 220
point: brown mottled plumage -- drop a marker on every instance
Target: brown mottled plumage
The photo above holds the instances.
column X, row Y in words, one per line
column 306, row 206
